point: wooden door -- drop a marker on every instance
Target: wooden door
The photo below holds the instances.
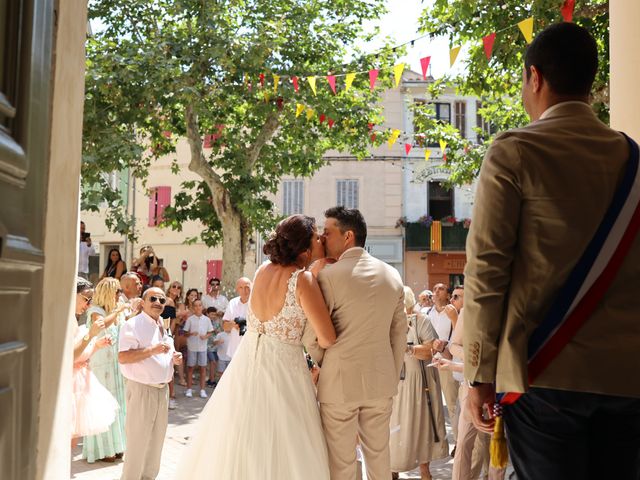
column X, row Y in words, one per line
column 25, row 85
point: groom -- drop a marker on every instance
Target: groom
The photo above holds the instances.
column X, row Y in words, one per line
column 360, row 372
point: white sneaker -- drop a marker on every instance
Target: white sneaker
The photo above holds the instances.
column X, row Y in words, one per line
column 203, row 394
column 188, row 393
column 173, row 404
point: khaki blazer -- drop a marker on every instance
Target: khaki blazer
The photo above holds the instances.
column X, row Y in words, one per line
column 365, row 298
column 542, row 192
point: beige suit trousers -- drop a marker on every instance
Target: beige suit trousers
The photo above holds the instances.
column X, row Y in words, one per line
column 343, row 423
column 145, row 428
column 450, row 388
column 472, row 449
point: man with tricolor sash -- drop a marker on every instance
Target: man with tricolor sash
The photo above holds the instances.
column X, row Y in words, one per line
column 552, row 283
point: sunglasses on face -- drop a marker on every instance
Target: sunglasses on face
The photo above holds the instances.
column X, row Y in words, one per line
column 176, row 286
column 215, row 284
column 455, row 297
column 87, row 299
column 162, row 300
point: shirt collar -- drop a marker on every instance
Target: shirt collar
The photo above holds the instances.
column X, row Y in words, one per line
column 553, row 108
column 348, row 250
column 149, row 318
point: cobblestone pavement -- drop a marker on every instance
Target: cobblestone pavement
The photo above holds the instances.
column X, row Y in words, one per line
column 181, row 424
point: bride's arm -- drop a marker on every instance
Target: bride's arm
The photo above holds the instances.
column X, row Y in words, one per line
column 312, row 302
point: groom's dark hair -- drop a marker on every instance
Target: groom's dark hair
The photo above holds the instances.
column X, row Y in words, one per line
column 349, row 219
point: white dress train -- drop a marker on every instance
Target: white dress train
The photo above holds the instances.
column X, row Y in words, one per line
column 262, row 420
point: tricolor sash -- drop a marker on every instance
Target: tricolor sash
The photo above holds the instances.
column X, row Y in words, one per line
column 590, row 278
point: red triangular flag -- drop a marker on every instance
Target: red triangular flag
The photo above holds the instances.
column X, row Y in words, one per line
column 295, row 83
column 407, row 148
column 488, row 44
column 373, row 137
column 373, row 76
column 321, row 118
column 279, row 103
column 567, row 10
column 262, row 79
column 370, row 125
column 425, row 66
column 331, row 122
column 332, row 82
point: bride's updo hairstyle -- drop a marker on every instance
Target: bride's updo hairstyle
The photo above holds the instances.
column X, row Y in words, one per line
column 292, row 237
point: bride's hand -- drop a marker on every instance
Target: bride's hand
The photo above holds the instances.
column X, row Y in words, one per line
column 319, row 264
column 315, row 374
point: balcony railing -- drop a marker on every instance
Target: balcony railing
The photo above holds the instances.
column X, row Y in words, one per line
column 437, row 237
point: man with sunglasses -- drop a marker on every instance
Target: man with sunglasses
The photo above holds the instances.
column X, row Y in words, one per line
column 146, row 359
column 213, row 298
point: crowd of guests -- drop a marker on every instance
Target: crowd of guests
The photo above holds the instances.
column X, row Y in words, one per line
column 112, row 367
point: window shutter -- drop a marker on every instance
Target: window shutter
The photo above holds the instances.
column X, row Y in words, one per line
column 214, row 270
column 159, row 199
column 153, row 201
column 461, row 121
column 292, row 197
column 347, row 193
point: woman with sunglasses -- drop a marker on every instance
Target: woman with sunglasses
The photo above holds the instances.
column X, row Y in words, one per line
column 174, row 292
column 104, row 364
column 93, row 407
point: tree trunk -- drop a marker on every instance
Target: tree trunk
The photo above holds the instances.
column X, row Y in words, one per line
column 234, row 227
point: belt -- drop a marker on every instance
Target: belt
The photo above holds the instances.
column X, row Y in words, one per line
column 156, row 385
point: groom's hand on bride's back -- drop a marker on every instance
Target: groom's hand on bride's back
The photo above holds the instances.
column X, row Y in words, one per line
column 320, row 264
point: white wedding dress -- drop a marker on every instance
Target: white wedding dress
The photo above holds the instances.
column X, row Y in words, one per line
column 262, row 421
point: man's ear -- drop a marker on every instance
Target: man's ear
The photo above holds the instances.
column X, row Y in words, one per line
column 537, row 79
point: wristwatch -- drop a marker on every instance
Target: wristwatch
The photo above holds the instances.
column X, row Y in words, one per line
column 86, row 338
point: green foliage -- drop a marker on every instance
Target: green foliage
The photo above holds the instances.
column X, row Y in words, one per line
column 497, row 82
column 151, row 60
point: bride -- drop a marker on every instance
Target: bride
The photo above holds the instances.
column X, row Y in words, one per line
column 262, row 421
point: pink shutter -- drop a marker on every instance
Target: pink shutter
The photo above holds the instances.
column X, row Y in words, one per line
column 214, row 270
column 153, row 202
column 164, row 200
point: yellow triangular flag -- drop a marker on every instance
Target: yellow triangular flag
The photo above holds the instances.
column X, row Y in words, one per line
column 526, row 27
column 276, row 80
column 266, row 97
column 427, row 154
column 453, row 54
column 312, row 82
column 443, row 144
column 349, row 80
column 394, row 136
column 309, row 113
column 397, row 73
column 299, row 109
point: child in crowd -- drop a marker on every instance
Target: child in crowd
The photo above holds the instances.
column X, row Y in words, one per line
column 221, row 342
column 212, row 355
column 198, row 328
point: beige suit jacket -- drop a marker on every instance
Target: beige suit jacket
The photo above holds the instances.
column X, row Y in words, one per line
column 365, row 298
column 542, row 192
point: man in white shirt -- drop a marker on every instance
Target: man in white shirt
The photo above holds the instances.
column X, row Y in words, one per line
column 146, row 360
column 85, row 250
column 236, row 314
column 214, row 298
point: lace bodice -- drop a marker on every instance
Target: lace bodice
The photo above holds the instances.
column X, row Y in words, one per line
column 288, row 324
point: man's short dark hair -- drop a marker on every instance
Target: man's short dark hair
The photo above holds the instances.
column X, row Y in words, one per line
column 566, row 55
column 214, row 279
column 212, row 310
column 349, row 219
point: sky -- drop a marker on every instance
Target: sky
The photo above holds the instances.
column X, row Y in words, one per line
column 401, row 24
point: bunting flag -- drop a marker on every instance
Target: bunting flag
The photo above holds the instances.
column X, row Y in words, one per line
column 321, row 117
column 397, row 73
column 373, row 137
column 299, row 109
column 312, row 82
column 407, row 148
column 526, row 27
column 262, row 79
column 488, row 44
column 394, row 136
column 330, row 122
column 295, row 84
column 276, row 81
column 424, row 62
column 453, row 54
column 332, row 82
column 373, row 75
column 309, row 113
column 371, row 125
column 427, row 154
column 266, row 96
column 567, row 10
column 349, row 80
column 443, row 145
